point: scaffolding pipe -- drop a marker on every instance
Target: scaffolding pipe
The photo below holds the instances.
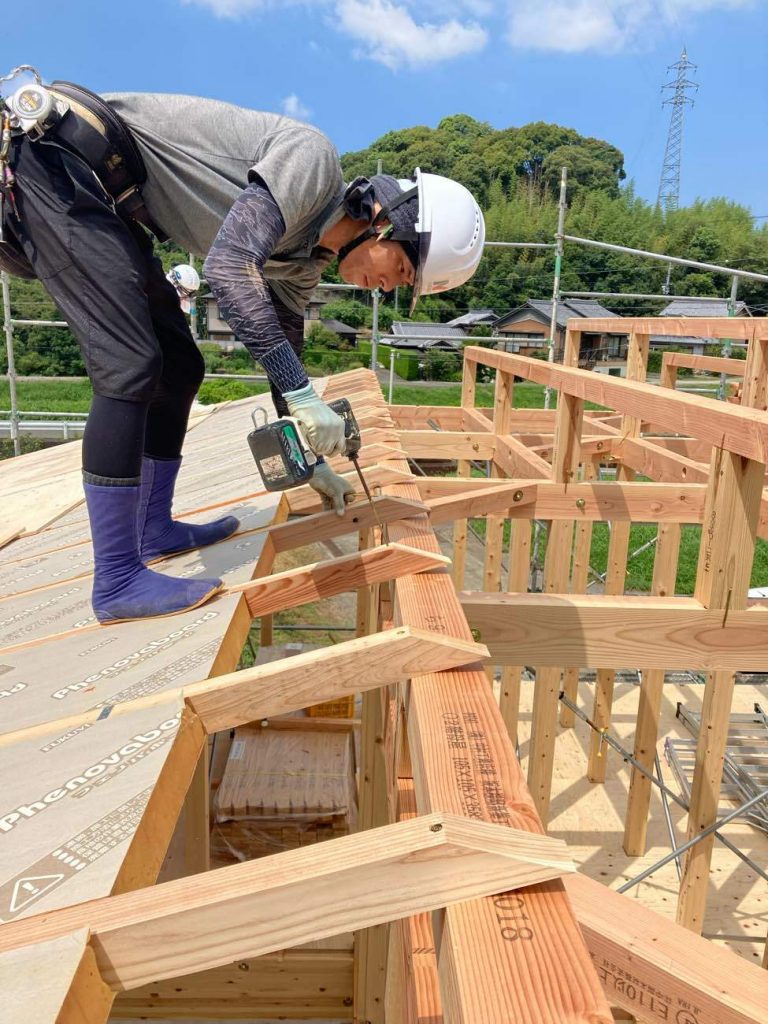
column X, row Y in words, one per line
column 678, row 851
column 520, row 245
column 668, row 818
column 640, row 295
column 8, row 327
column 40, row 323
column 677, row 260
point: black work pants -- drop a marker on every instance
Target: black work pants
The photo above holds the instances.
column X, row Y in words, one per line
column 101, row 272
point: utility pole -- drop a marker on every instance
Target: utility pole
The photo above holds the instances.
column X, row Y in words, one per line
column 8, row 327
column 678, row 98
column 375, row 331
column 559, row 249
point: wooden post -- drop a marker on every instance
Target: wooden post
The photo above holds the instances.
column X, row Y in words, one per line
column 371, row 945
column 668, row 377
column 196, row 811
column 519, row 569
column 582, row 546
column 722, row 580
column 468, row 390
column 494, row 524
column 364, row 594
column 616, row 571
column 649, row 709
column 557, row 570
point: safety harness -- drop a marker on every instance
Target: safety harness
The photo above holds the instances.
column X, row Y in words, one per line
column 92, row 130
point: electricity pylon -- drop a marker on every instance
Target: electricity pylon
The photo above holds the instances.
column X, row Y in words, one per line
column 677, row 97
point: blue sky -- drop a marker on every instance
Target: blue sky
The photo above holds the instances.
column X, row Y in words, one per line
column 358, row 68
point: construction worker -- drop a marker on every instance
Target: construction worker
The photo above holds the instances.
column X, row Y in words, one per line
column 264, row 196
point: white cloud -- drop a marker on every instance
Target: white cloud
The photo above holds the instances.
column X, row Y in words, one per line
column 607, row 25
column 293, row 107
column 389, row 34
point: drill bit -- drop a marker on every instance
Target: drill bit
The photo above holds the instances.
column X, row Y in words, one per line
column 353, row 459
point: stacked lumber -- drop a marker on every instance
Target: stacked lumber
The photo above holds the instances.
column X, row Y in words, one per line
column 282, row 790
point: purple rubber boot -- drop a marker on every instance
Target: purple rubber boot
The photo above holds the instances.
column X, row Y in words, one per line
column 161, row 535
column 123, row 587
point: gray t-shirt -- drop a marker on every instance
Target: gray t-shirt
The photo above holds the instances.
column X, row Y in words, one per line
column 200, row 154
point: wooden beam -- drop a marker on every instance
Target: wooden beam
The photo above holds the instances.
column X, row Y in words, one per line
column 280, row 687
column 295, row 984
column 658, row 463
column 414, row 417
column 713, row 364
column 601, row 631
column 742, row 431
column 327, row 525
column 516, row 459
column 619, row 501
column 334, row 576
column 741, row 328
column 447, row 444
column 660, row 972
column 290, row 898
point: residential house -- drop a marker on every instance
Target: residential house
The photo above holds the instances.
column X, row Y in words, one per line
column 693, row 307
column 219, row 330
column 526, row 329
column 344, row 331
column 474, row 318
column 423, row 337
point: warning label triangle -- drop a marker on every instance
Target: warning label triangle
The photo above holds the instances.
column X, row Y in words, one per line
column 31, row 888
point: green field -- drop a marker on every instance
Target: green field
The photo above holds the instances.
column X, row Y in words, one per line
column 48, row 395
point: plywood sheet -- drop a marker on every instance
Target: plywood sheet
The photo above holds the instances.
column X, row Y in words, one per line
column 69, row 810
column 38, row 487
column 35, row 980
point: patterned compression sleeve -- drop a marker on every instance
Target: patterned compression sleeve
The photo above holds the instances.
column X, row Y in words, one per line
column 234, row 271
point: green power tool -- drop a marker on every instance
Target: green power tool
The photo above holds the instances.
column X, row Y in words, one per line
column 283, row 457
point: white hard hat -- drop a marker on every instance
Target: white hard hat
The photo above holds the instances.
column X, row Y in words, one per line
column 451, row 232
column 184, row 278
column 435, row 219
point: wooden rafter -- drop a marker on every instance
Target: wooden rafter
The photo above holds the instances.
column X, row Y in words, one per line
column 290, row 898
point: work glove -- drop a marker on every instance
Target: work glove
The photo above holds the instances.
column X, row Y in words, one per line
column 332, row 488
column 322, row 427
